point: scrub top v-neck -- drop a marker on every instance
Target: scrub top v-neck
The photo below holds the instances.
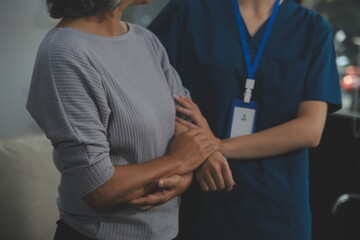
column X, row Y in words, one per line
column 271, row 197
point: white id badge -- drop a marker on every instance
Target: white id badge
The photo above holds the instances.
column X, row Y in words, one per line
column 242, row 119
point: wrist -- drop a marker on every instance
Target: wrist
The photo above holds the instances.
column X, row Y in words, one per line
column 224, row 148
column 189, row 178
column 180, row 166
column 218, row 142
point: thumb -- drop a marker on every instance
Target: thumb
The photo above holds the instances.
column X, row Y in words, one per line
column 169, row 182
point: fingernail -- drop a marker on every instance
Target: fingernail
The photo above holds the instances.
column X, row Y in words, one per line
column 161, row 183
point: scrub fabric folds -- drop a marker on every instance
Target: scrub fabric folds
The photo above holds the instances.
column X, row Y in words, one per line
column 270, row 200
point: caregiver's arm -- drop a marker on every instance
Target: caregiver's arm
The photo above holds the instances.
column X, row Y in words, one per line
column 303, row 132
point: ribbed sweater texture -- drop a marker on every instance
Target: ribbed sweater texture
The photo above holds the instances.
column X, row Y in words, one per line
column 105, row 101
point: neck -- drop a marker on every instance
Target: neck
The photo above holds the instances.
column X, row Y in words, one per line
column 255, row 13
column 257, row 7
column 107, row 24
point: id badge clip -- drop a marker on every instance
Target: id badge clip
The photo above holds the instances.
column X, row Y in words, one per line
column 243, row 118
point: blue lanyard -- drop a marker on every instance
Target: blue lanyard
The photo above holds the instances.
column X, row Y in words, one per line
column 251, row 68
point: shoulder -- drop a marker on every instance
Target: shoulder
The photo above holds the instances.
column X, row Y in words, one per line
column 62, row 44
column 140, row 30
column 60, row 53
column 310, row 17
column 151, row 39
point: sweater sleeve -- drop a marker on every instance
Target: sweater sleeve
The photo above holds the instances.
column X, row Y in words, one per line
column 171, row 74
column 161, row 58
column 68, row 101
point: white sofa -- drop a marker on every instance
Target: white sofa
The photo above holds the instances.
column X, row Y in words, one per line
column 28, row 189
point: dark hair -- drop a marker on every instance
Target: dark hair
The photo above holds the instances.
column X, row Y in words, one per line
column 79, row 8
column 299, row 1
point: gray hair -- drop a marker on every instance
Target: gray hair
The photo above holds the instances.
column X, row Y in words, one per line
column 79, row 8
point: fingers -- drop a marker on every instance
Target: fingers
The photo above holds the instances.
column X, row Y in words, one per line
column 215, row 174
column 143, row 208
column 193, row 114
column 185, row 123
column 217, row 177
column 194, row 131
column 186, row 102
column 170, row 182
column 148, row 199
column 211, row 182
column 153, row 199
column 168, row 187
column 206, row 182
column 189, row 109
column 203, row 184
column 228, row 178
column 186, row 111
column 212, row 179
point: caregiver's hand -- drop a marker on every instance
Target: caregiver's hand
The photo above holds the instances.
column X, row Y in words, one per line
column 169, row 188
column 215, row 174
column 189, row 109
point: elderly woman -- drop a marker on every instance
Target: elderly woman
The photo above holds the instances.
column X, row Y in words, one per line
column 102, row 91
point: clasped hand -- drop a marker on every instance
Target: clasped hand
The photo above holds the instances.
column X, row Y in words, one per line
column 168, row 189
column 197, row 147
column 215, row 173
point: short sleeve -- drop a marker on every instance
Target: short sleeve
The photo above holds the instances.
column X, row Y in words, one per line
column 322, row 81
column 67, row 100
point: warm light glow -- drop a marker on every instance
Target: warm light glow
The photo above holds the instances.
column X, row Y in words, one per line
column 348, row 80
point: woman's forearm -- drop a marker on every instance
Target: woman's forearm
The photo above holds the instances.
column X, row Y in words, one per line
column 303, row 132
column 132, row 181
column 187, row 151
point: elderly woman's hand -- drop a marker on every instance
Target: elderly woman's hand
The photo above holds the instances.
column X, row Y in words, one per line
column 191, row 148
column 169, row 188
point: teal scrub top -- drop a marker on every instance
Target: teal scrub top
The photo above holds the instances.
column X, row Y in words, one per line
column 270, row 200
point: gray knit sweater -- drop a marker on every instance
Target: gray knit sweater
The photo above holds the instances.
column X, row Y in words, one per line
column 105, row 101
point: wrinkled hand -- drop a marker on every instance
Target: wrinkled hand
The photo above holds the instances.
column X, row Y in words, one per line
column 189, row 109
column 215, row 174
column 169, row 188
column 191, row 148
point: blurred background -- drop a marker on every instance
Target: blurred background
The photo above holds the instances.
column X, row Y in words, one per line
column 27, row 204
